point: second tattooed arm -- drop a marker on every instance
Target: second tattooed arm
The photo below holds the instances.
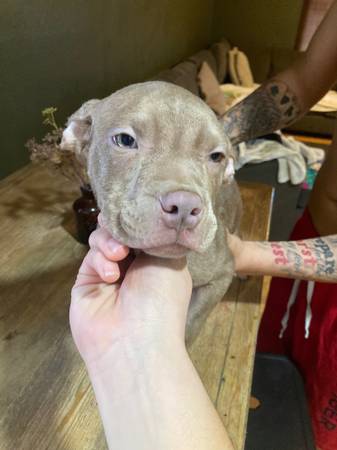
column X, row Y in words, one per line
column 291, row 93
column 309, row 259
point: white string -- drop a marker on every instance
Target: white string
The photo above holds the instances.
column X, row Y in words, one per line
column 308, row 312
column 291, row 301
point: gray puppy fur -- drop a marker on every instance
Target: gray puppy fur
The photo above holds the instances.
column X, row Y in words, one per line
column 161, row 168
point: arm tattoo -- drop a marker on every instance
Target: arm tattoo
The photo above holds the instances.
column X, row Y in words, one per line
column 267, row 109
column 314, row 259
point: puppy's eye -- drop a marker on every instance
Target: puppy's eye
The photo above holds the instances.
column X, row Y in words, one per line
column 216, row 157
column 124, row 140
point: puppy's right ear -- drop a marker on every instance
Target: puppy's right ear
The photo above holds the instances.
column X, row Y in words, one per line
column 76, row 136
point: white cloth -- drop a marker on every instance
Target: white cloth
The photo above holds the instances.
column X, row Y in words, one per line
column 293, row 157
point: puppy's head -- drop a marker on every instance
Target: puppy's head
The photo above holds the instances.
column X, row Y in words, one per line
column 157, row 157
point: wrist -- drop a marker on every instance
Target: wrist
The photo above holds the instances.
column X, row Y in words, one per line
column 251, row 257
column 132, row 353
column 131, row 374
column 238, row 249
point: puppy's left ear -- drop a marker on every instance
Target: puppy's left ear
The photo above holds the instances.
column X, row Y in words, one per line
column 229, row 170
column 228, row 176
column 231, row 158
column 77, row 134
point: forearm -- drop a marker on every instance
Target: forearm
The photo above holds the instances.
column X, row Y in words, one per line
column 272, row 106
column 290, row 93
column 154, row 399
column 310, row 259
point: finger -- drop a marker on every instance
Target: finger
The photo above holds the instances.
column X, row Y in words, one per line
column 101, row 240
column 96, row 268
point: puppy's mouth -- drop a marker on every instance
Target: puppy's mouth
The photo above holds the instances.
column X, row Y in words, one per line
column 155, row 238
column 161, row 241
column 174, row 247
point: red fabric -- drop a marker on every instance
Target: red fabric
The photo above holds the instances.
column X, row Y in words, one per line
column 315, row 357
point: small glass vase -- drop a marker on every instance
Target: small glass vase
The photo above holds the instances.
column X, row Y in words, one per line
column 86, row 212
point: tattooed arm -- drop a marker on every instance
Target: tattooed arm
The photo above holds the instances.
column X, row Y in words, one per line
column 271, row 107
column 291, row 93
column 309, row 259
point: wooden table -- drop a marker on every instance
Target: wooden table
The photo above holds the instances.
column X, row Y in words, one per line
column 45, row 395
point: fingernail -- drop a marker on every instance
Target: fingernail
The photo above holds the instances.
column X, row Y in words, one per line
column 110, row 273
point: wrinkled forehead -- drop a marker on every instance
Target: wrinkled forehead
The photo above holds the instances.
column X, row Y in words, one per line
column 161, row 115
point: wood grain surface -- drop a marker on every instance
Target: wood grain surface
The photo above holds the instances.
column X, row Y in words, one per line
column 46, row 399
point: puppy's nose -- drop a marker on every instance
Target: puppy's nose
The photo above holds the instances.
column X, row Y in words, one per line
column 181, row 209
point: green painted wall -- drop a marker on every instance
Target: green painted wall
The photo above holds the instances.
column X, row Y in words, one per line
column 61, row 53
column 258, row 23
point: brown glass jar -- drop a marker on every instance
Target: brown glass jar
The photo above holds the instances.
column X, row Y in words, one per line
column 86, row 212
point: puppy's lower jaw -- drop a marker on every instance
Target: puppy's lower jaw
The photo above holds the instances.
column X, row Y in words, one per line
column 162, row 241
column 168, row 251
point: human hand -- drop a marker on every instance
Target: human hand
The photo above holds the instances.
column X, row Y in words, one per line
column 237, row 247
column 149, row 306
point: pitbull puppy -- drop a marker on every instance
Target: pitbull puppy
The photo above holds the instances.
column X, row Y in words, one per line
column 161, row 168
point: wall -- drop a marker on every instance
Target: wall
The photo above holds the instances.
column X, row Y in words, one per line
column 64, row 52
column 258, row 23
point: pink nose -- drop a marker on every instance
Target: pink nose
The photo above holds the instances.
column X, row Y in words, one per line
column 181, row 209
